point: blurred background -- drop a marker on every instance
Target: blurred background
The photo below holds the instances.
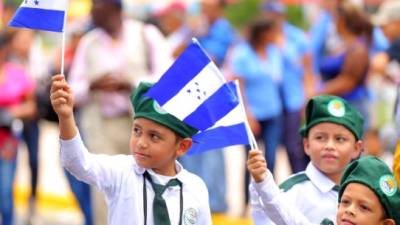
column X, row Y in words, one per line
column 309, row 39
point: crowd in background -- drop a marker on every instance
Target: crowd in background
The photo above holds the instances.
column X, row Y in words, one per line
column 279, row 67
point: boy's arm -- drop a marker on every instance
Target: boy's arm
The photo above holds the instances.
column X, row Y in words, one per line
column 62, row 101
column 271, row 198
column 93, row 169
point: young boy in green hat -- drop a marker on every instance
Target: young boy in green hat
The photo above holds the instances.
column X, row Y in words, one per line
column 149, row 188
column 368, row 193
column 332, row 139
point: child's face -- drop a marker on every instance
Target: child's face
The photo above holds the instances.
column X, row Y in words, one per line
column 331, row 147
column 155, row 146
column 360, row 206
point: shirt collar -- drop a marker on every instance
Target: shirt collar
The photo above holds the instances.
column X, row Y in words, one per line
column 181, row 175
column 322, row 182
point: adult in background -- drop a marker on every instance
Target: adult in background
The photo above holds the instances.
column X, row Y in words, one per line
column 345, row 73
column 258, row 64
column 109, row 61
column 297, row 79
column 17, row 103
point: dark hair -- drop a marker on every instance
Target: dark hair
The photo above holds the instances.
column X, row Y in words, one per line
column 258, row 27
column 5, row 38
column 355, row 20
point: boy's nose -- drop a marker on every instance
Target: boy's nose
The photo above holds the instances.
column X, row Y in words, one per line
column 350, row 210
column 330, row 144
column 142, row 143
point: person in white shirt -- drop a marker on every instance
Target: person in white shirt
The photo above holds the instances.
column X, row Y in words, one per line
column 110, row 61
column 332, row 138
column 149, row 188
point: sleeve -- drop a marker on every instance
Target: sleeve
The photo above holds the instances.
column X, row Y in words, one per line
column 78, row 77
column 237, row 63
column 396, row 162
column 257, row 210
column 275, row 205
column 97, row 170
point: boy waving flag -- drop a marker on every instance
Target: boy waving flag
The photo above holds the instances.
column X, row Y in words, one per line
column 41, row 15
column 195, row 91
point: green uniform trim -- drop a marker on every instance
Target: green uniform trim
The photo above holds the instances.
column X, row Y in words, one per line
column 295, row 179
column 327, row 222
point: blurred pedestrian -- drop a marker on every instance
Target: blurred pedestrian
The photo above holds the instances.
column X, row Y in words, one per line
column 258, row 65
column 17, row 102
column 110, row 61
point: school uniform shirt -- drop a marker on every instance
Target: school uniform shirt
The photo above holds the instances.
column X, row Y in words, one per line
column 307, row 197
column 121, row 180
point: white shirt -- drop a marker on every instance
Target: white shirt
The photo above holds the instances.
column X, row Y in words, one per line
column 121, row 180
column 308, row 202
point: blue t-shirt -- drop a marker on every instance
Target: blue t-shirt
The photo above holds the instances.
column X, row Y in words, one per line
column 219, row 38
column 261, row 79
column 296, row 46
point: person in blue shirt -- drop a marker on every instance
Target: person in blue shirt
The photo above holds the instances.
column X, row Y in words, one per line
column 218, row 38
column 258, row 65
column 297, row 76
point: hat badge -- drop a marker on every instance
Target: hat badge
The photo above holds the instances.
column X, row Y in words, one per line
column 336, row 108
column 388, row 185
column 158, row 108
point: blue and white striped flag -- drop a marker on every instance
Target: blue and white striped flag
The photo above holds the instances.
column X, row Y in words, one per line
column 195, row 91
column 48, row 15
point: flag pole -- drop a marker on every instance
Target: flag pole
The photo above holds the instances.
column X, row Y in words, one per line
column 252, row 139
column 62, row 52
column 63, row 40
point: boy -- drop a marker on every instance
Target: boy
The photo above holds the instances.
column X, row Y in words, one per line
column 332, row 139
column 368, row 194
column 152, row 187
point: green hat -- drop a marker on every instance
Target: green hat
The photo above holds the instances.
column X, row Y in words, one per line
column 375, row 174
column 146, row 107
column 329, row 108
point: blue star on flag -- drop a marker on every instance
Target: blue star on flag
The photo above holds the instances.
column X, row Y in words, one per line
column 197, row 91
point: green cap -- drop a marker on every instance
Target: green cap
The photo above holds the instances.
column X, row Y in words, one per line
column 146, row 107
column 329, row 108
column 376, row 175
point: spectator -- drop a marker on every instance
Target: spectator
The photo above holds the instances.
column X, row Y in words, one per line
column 110, row 60
column 17, row 102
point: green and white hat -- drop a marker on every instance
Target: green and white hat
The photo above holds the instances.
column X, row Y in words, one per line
column 148, row 108
column 376, row 175
column 329, row 108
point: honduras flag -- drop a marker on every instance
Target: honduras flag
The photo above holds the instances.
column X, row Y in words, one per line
column 45, row 15
column 194, row 91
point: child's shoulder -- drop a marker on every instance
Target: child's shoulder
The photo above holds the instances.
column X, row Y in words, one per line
column 192, row 181
column 293, row 180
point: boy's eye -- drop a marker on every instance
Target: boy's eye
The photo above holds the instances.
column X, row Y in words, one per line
column 341, row 139
column 364, row 207
column 155, row 137
column 344, row 202
column 137, row 131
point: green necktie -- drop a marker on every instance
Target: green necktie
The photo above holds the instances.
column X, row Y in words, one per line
column 326, row 222
column 160, row 211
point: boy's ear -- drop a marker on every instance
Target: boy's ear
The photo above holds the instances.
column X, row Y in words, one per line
column 306, row 145
column 388, row 222
column 359, row 145
column 184, row 145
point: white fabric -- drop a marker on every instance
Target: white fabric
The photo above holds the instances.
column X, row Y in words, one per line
column 121, row 180
column 184, row 103
column 46, row 4
column 308, row 202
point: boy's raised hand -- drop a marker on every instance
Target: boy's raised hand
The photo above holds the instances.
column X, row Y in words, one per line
column 61, row 97
column 257, row 165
